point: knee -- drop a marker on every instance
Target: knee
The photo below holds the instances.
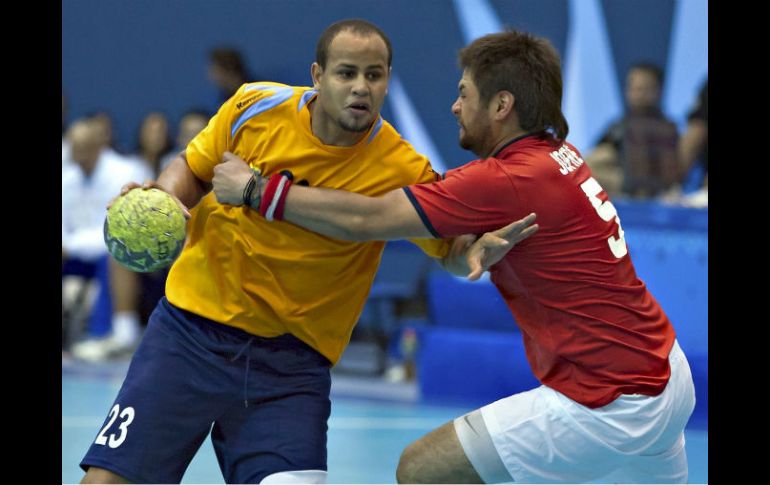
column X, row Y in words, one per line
column 408, row 465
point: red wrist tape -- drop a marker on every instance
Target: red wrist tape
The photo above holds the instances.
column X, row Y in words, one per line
column 274, row 199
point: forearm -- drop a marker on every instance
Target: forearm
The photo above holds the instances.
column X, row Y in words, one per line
column 353, row 217
column 334, row 213
column 179, row 180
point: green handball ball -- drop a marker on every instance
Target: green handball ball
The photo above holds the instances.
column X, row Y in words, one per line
column 145, row 230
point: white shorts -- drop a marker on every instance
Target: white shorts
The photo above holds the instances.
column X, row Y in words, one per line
column 543, row 436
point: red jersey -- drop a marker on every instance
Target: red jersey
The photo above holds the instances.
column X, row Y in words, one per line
column 591, row 329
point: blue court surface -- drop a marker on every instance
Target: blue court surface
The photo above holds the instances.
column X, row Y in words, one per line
column 371, row 423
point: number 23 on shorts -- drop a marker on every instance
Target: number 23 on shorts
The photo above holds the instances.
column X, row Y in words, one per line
column 127, row 416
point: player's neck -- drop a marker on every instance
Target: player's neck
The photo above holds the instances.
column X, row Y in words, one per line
column 503, row 139
column 329, row 131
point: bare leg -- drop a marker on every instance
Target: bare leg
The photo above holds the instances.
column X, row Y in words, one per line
column 100, row 475
column 437, row 457
column 124, row 288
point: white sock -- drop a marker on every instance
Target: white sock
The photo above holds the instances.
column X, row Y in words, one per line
column 126, row 327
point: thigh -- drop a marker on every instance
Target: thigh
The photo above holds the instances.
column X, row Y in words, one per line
column 538, row 441
column 286, row 434
column 163, row 410
column 282, row 426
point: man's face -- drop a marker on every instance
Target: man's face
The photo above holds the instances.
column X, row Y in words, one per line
column 642, row 90
column 154, row 133
column 472, row 116
column 352, row 87
column 85, row 144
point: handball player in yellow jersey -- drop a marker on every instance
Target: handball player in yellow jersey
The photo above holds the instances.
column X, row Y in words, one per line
column 256, row 313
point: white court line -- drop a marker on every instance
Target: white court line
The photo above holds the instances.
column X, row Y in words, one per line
column 334, row 423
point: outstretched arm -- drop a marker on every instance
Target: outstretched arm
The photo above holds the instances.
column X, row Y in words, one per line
column 335, row 213
column 354, row 217
column 351, row 216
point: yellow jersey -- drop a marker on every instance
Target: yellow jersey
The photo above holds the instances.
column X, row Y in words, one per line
column 272, row 278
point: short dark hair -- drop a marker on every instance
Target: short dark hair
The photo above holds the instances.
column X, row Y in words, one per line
column 357, row 26
column 529, row 68
column 651, row 68
column 229, row 59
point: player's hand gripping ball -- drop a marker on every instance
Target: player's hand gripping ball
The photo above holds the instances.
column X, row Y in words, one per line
column 145, row 230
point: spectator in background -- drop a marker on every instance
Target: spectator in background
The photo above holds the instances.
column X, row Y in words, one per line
column 694, row 144
column 103, row 123
column 637, row 155
column 154, row 140
column 228, row 71
column 192, row 123
column 89, row 180
column 153, row 143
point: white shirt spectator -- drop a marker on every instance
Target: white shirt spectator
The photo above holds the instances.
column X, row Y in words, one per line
column 84, row 200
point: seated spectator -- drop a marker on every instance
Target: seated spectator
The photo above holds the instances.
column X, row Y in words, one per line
column 637, row 156
column 154, row 140
column 103, row 123
column 90, row 179
column 154, row 150
column 694, row 144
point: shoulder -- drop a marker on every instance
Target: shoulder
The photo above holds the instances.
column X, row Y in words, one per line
column 260, row 96
column 385, row 139
column 255, row 100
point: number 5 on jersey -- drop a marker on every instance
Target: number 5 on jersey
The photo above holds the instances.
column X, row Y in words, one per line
column 607, row 212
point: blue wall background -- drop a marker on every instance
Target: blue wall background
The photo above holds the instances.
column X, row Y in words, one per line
column 132, row 57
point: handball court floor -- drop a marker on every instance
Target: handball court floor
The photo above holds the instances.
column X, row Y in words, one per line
column 371, row 422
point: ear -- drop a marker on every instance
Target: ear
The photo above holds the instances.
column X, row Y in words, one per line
column 315, row 73
column 503, row 105
column 390, row 73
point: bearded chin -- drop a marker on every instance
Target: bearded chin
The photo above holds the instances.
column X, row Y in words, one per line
column 465, row 143
column 352, row 127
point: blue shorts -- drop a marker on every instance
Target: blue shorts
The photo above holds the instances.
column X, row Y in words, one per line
column 267, row 399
